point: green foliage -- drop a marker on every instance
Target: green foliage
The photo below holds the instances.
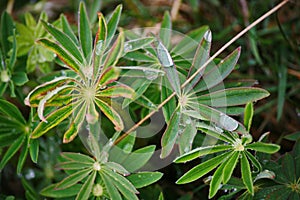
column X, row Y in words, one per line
column 10, row 75
column 111, row 82
column 37, row 56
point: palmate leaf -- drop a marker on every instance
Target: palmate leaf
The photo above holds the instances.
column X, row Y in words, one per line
column 246, row 173
column 218, row 73
column 110, row 113
column 201, row 56
column 165, row 30
column 12, row 150
column 202, row 169
column 115, row 52
column 52, row 120
column 112, row 23
column 143, row 179
column 111, row 188
column 73, row 179
column 65, row 41
column 201, row 151
column 217, row 179
column 50, row 191
column 85, row 33
column 66, row 28
column 64, row 55
column 169, row 137
column 263, row 147
column 11, row 111
column 117, row 91
column 86, row 188
column 233, row 96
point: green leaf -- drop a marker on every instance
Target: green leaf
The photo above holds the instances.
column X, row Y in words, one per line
column 73, row 129
column 66, row 42
column 221, row 119
column 19, row 78
column 248, row 115
column 38, row 92
column 170, row 106
column 112, row 23
column 52, row 120
column 85, row 33
column 229, row 166
column 50, row 191
column 49, row 95
column 136, row 44
column 123, row 185
column 143, row 179
column 73, row 179
column 115, row 52
column 233, row 96
column 190, row 41
column 12, row 111
column 201, row 151
column 12, row 150
column 34, row 150
column 138, row 158
column 22, row 159
column 111, row 114
column 64, row 55
column 218, row 73
column 282, row 84
column 117, row 168
column 111, row 188
column 200, row 57
column 263, row 147
column 186, row 138
column 127, row 143
column 117, row 91
column 110, row 75
column 293, row 137
column 74, row 165
column 202, row 169
column 246, row 173
column 66, row 28
column 169, row 137
column 140, row 57
column 86, row 188
column 78, row 157
column 13, row 56
column 216, row 180
column 254, row 161
column 7, row 26
column 165, row 30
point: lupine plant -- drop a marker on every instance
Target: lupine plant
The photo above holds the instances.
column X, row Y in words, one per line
column 111, row 81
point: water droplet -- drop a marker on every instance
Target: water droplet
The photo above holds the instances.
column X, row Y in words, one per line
column 186, row 149
column 150, row 75
column 228, row 123
column 127, row 47
column 99, row 46
column 127, row 148
column 163, row 55
column 110, row 142
column 188, row 121
column 208, row 36
column 221, row 61
column 30, row 174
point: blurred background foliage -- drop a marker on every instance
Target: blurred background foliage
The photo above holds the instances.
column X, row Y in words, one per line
column 270, row 55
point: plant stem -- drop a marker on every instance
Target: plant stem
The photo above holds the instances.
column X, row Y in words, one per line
column 267, row 14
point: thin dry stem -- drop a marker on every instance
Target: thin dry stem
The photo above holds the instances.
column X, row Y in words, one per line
column 203, row 66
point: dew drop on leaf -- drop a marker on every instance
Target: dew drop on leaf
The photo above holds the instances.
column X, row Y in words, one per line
column 208, row 36
column 127, row 47
column 99, row 46
column 163, row 55
column 228, row 123
column 150, row 75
